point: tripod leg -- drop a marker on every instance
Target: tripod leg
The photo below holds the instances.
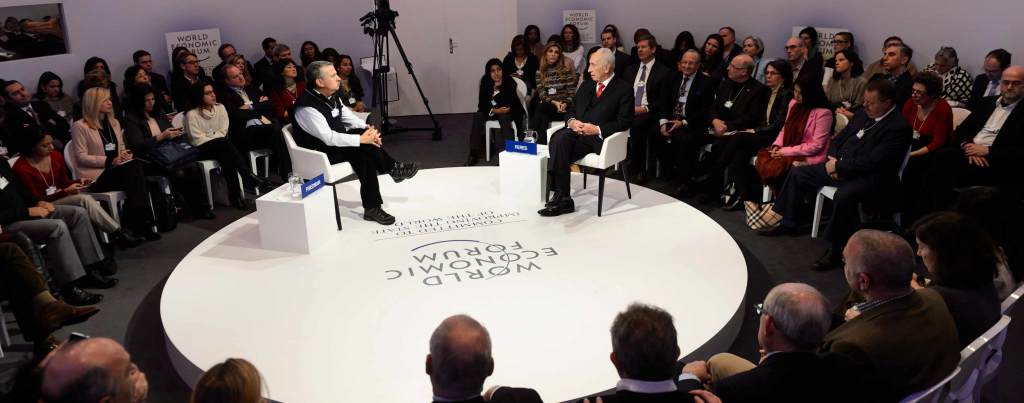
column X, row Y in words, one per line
column 408, row 66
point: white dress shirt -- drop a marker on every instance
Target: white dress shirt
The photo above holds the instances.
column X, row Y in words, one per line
column 314, row 123
column 637, row 83
column 994, row 124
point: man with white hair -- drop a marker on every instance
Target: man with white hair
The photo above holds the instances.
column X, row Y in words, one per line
column 92, row 370
column 602, row 107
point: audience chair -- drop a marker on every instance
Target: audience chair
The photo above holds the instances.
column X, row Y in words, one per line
column 934, row 394
column 979, row 363
column 830, row 193
column 308, row 164
column 613, row 152
column 1012, row 299
column 3, row 332
column 257, row 154
column 959, row 115
column 841, row 122
column 490, row 126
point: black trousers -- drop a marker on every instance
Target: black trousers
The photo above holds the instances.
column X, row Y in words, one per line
column 735, row 157
column 231, row 163
column 566, row 147
column 367, row 161
column 806, row 180
column 684, row 150
column 949, row 168
column 543, row 114
column 644, row 127
column 264, row 137
column 477, row 133
column 187, row 181
column 130, row 178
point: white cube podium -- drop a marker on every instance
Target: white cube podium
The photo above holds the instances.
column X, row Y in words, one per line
column 524, row 177
column 296, row 225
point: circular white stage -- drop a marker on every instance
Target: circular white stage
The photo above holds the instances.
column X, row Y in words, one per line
column 354, row 317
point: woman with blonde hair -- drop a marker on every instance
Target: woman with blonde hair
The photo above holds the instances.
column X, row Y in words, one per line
column 556, row 87
column 238, row 61
column 233, row 381
column 101, row 160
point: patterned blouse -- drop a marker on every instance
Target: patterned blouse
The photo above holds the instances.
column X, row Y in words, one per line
column 561, row 81
column 956, row 85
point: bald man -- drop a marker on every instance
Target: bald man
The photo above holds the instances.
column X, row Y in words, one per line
column 92, row 370
column 796, row 53
column 459, row 362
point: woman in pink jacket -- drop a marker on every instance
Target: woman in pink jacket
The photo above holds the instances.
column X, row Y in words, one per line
column 99, row 157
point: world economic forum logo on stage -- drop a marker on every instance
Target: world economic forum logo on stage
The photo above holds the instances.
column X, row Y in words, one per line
column 463, row 260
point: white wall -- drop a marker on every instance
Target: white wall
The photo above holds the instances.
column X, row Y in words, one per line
column 972, row 27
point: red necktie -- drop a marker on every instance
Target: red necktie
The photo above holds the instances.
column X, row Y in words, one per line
column 600, row 89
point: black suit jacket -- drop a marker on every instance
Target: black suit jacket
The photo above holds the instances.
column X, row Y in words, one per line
column 879, row 153
column 772, row 122
column 262, row 73
column 796, row 377
column 233, row 103
column 612, row 111
column 978, row 89
column 656, row 79
column 508, row 66
column 509, row 395
column 698, row 100
column 815, row 68
column 1007, row 150
column 18, row 121
column 748, row 104
column 180, row 90
column 904, row 83
column 507, row 97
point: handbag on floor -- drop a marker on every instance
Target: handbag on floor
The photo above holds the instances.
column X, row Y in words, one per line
column 761, row 215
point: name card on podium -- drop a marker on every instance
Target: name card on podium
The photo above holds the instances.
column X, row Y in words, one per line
column 521, row 147
column 312, row 185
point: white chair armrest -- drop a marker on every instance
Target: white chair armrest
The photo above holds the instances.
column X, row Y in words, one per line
column 614, row 148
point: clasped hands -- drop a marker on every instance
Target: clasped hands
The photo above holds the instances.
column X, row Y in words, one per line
column 585, row 129
column 671, row 126
column 976, row 154
column 371, row 136
column 42, row 209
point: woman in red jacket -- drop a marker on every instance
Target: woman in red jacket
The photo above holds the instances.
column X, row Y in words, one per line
column 42, row 170
column 931, row 117
column 285, row 89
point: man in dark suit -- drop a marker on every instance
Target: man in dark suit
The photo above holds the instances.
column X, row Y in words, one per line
column 459, row 362
column 248, row 109
column 990, row 152
column 610, row 41
column 895, row 60
column 730, row 48
column 189, row 73
column 601, row 108
column 645, row 348
column 22, row 114
column 648, row 78
column 863, row 162
column 686, row 100
column 263, row 70
column 796, row 53
column 143, row 59
column 662, row 55
column 906, row 338
column 987, row 83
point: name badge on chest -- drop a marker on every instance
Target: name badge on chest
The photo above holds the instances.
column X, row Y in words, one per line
column 728, row 104
column 917, row 135
column 860, row 134
column 109, row 147
column 3, row 183
column 352, row 101
column 335, row 112
column 50, row 191
column 551, row 91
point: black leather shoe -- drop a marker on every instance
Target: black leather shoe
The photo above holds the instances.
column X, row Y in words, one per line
column 124, row 240
column 403, row 171
column 79, row 297
column 778, row 230
column 563, row 206
column 472, row 160
column 379, row 215
column 96, row 280
column 105, row 267
column 828, row 261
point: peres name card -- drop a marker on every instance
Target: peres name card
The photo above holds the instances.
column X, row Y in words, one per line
column 312, row 185
column 521, row 147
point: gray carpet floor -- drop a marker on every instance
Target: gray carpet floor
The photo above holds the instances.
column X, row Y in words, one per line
column 130, row 311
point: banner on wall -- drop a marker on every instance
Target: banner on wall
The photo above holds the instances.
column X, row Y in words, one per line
column 825, row 38
column 203, row 42
column 585, row 20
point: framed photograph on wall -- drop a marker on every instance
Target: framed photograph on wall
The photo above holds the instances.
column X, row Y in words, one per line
column 32, row 31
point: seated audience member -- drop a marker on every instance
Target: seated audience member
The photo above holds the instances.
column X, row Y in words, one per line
column 37, row 311
column 809, row 37
column 645, row 348
column 136, row 76
column 894, row 63
column 42, row 171
column 520, row 63
column 956, row 82
column 233, row 381
column 754, row 47
column 730, row 49
column 794, row 319
column 600, row 108
column 51, row 90
column 684, row 42
column 285, row 89
column 556, row 85
column 66, row 230
column 143, row 59
column 22, row 114
column 961, row 259
column 187, row 75
column 661, row 54
column 905, row 337
column 263, row 69
column 96, row 64
column 224, row 52
column 248, row 111
column 840, row 42
column 459, row 362
column 321, row 122
column 684, row 117
column 846, row 91
column 618, row 37
column 331, row 55
column 987, row 84
column 990, row 147
column 100, row 157
column 571, row 47
column 647, row 77
column 608, row 41
column 93, row 370
column 145, row 130
column 351, row 92
column 207, row 125
column 931, row 118
column 797, row 54
column 878, row 66
column 175, row 68
column 310, row 53
column 863, row 162
column 239, row 62
column 712, row 64
column 497, row 101
column 533, row 44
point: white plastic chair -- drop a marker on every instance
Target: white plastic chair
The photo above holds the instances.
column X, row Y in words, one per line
column 1011, row 299
column 934, row 394
column 979, row 362
column 257, row 154
column 830, row 193
column 841, row 122
column 493, row 125
column 113, row 201
column 613, row 151
column 959, row 115
column 308, row 164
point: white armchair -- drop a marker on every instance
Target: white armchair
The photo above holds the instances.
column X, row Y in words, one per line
column 308, row 164
column 613, row 152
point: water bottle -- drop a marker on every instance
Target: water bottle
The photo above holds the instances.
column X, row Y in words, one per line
column 295, row 185
column 530, row 136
